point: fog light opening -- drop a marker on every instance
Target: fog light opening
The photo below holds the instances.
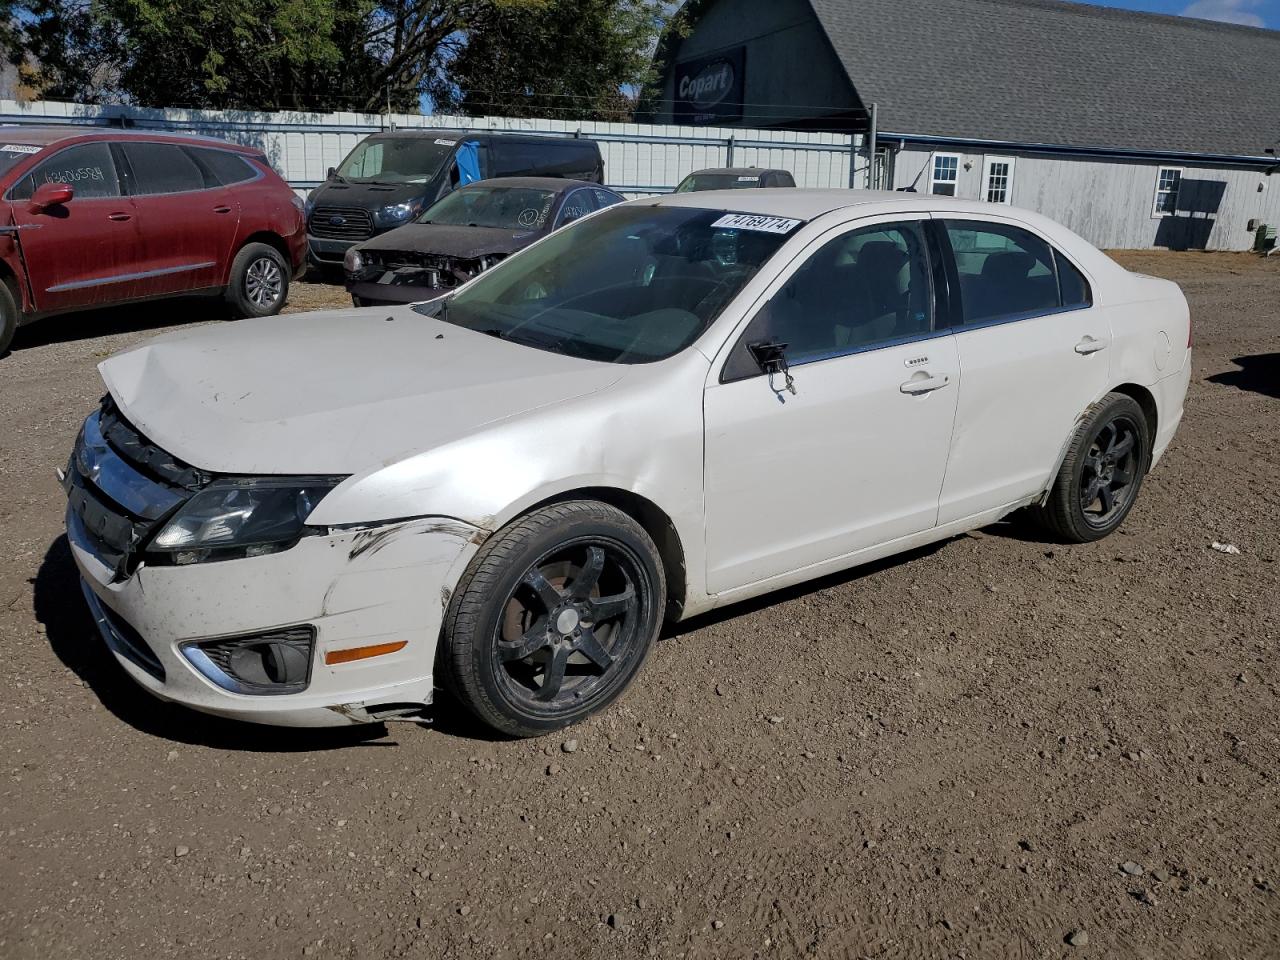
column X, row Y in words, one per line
column 267, row 663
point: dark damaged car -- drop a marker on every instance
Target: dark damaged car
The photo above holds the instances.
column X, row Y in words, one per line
column 464, row 234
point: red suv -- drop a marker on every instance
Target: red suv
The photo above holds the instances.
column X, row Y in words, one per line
column 96, row 217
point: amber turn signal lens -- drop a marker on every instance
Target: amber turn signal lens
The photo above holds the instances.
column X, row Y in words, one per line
column 363, row 653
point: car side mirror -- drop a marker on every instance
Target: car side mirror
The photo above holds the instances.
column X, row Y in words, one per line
column 51, row 195
column 771, row 356
column 331, row 173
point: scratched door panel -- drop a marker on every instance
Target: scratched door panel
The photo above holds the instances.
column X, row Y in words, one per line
column 186, row 223
column 86, row 251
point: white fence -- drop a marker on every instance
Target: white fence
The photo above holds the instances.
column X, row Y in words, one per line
column 639, row 158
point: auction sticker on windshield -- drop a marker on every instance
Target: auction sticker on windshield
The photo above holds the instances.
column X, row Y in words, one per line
column 20, row 148
column 747, row 221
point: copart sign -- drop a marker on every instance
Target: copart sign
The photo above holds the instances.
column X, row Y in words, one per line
column 709, row 89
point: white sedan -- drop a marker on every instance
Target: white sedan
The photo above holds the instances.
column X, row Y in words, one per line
column 669, row 406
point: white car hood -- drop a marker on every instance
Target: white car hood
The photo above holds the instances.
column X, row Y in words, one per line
column 332, row 393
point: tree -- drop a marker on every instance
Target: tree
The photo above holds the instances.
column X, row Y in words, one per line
column 61, row 48
column 565, row 57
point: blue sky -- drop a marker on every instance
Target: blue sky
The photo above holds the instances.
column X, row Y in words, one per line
column 1254, row 13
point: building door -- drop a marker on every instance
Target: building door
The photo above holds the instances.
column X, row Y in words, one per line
column 997, row 180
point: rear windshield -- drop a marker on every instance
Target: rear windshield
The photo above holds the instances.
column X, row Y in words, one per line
column 632, row 284
column 396, row 159
column 13, row 153
column 718, row 181
column 508, row 208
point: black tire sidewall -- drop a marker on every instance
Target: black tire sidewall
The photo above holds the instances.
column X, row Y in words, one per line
column 472, row 622
column 237, row 294
column 1111, row 407
column 8, row 316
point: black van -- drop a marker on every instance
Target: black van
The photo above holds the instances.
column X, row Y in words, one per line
column 389, row 178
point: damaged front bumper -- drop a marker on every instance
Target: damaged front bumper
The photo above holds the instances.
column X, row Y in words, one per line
column 345, row 589
column 377, row 294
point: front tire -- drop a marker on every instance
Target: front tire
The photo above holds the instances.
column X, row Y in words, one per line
column 8, row 316
column 259, row 284
column 1102, row 473
column 554, row 617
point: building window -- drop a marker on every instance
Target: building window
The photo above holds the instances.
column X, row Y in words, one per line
column 946, row 171
column 997, row 180
column 1168, row 180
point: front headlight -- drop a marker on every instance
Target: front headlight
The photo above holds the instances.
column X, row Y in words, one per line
column 394, row 214
column 309, row 204
column 352, row 260
column 240, row 518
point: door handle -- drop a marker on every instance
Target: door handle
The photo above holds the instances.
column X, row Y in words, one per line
column 924, row 385
column 221, row 209
column 119, row 217
column 1090, row 345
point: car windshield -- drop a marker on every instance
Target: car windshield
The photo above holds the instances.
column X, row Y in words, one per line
column 508, row 208
column 396, row 159
column 632, row 284
column 717, row 181
column 13, row 153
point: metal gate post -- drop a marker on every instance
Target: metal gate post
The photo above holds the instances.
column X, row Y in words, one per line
column 871, row 146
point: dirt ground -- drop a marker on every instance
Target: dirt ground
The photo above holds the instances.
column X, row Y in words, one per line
column 983, row 749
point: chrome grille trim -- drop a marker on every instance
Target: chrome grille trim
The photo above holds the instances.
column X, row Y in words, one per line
column 118, row 480
column 120, row 489
column 121, row 638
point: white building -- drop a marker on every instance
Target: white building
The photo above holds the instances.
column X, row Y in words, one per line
column 1136, row 130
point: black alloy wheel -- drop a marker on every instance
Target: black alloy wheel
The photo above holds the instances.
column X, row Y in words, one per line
column 1110, row 469
column 569, row 622
column 553, row 617
column 1101, row 473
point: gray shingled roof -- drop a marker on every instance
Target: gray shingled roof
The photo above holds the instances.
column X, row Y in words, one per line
column 1050, row 72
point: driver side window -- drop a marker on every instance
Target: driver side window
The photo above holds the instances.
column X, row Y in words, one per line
column 87, row 167
column 864, row 288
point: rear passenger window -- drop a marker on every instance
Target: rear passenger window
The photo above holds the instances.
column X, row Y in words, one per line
column 606, row 199
column 161, row 168
column 226, row 167
column 1072, row 284
column 87, row 168
column 867, row 287
column 1005, row 272
column 577, row 205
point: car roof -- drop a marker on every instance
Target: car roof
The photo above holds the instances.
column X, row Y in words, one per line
column 558, row 184
column 47, row 136
column 418, row 133
column 806, row 204
column 425, row 133
column 736, row 171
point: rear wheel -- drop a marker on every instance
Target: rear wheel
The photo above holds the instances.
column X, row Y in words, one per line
column 259, row 282
column 1102, row 472
column 8, row 316
column 554, row 617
